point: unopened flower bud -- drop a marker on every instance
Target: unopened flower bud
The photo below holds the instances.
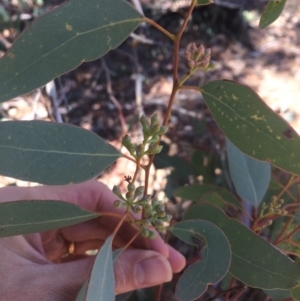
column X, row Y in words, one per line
column 117, row 191
column 129, row 194
column 187, row 54
column 130, row 187
column 192, row 47
column 117, row 204
column 138, row 191
column 144, row 122
column 145, row 232
column 146, row 223
column 151, row 235
column 160, row 224
column 191, row 63
column 154, row 139
column 163, row 130
column 126, row 141
column 154, row 129
column 137, row 209
column 154, row 120
column 161, row 213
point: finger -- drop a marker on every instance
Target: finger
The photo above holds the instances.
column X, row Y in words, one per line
column 136, row 269
column 176, row 260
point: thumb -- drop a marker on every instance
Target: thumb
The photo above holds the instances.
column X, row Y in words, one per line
column 136, row 269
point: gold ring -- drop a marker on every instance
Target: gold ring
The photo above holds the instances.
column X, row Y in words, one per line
column 71, row 248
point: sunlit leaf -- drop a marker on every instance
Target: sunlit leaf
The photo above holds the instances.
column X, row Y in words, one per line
column 251, row 125
column 61, row 40
column 196, row 191
column 102, row 281
column 255, row 261
column 52, row 153
column 271, row 13
column 278, row 295
column 22, row 217
column 251, row 177
column 215, row 261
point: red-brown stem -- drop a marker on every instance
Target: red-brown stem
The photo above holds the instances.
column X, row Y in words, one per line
column 282, row 231
column 112, row 214
column 128, row 158
column 119, row 225
column 188, row 88
column 238, row 295
column 229, row 291
column 161, row 29
column 158, row 292
column 286, row 187
column 289, row 235
column 132, row 239
column 175, row 87
column 137, row 169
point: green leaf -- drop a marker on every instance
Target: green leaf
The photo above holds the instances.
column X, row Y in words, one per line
column 215, row 261
column 83, row 291
column 52, row 153
column 204, row 2
column 278, row 295
column 23, row 217
column 196, row 191
column 123, row 297
column 271, row 13
column 61, row 40
column 251, row 177
column 102, row 281
column 251, row 125
column 255, row 261
column 295, row 293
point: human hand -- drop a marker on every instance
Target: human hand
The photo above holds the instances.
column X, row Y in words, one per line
column 34, row 267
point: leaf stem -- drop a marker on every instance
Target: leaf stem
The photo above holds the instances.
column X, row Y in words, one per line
column 119, row 224
column 132, row 239
column 128, row 158
column 282, row 231
column 189, row 88
column 160, row 28
column 289, row 235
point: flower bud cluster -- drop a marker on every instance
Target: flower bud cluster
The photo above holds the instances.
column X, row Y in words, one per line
column 151, row 132
column 274, row 207
column 154, row 216
column 198, row 57
column 154, row 211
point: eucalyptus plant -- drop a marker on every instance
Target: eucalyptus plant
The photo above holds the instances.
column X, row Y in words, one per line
column 241, row 252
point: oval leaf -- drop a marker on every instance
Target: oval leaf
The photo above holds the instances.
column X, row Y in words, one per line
column 61, row 40
column 215, row 260
column 251, row 125
column 255, row 262
column 251, row 177
column 83, row 291
column 295, row 293
column 196, row 191
column 52, row 153
column 271, row 13
column 278, row 295
column 23, row 217
column 102, row 282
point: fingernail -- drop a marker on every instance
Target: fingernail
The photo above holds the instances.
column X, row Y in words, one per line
column 153, row 270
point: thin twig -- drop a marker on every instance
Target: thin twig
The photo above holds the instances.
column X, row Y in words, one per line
column 113, row 99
